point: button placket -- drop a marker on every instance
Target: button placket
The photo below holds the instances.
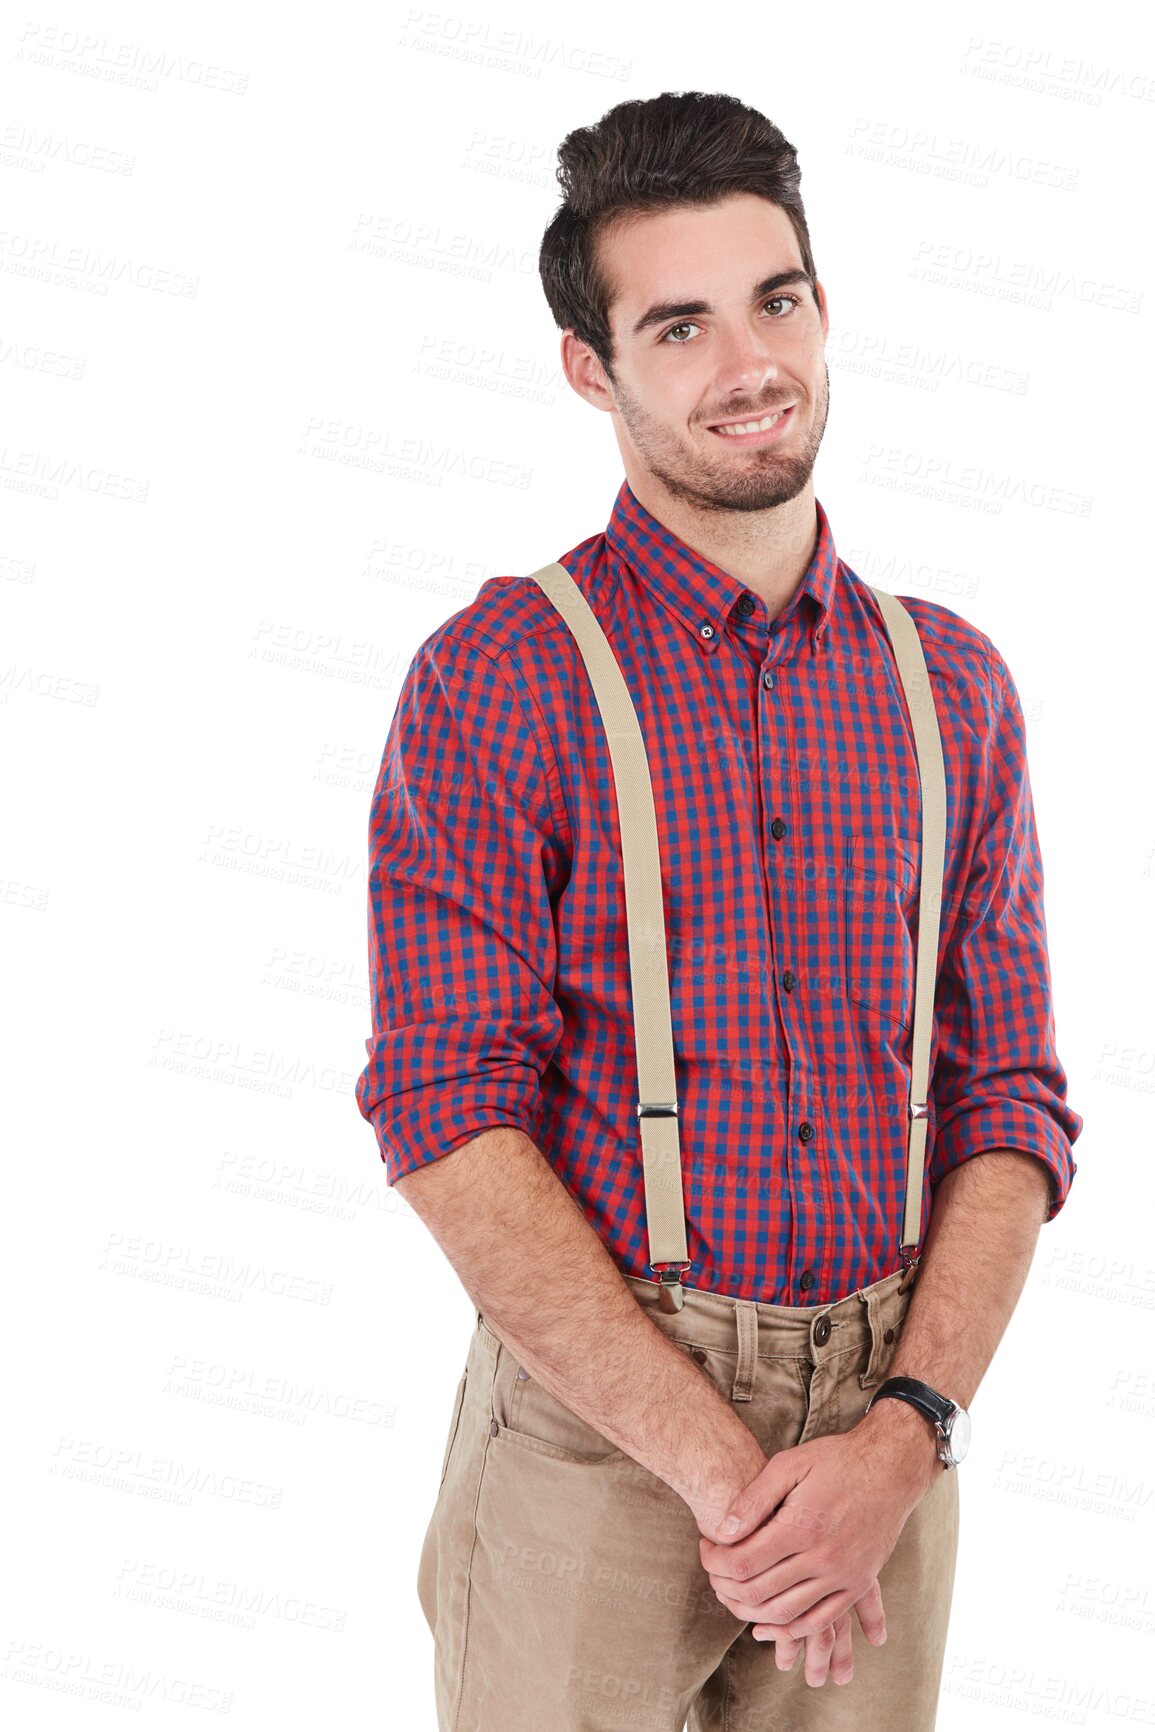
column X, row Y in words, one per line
column 783, row 838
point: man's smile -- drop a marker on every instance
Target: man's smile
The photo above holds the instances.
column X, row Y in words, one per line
column 759, row 432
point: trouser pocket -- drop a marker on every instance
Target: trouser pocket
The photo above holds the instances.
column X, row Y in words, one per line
column 454, row 1424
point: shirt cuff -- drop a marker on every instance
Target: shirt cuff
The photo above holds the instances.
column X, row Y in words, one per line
column 424, row 1123
column 1013, row 1125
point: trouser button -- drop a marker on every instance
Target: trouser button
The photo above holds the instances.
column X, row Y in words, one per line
column 822, row 1331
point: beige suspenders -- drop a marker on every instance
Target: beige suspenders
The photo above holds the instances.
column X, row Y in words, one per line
column 645, row 920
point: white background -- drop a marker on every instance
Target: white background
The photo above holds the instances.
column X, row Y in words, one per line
column 270, row 317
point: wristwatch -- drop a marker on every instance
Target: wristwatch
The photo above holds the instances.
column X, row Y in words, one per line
column 951, row 1422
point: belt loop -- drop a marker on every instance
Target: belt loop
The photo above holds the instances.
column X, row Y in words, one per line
column 872, row 1299
column 746, row 1316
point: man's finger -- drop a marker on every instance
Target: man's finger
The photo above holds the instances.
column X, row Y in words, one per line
column 825, row 1610
column 786, row 1646
column 757, row 1578
column 819, row 1647
column 871, row 1615
column 842, row 1659
column 786, row 1609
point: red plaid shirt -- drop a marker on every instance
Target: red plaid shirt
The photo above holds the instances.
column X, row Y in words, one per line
column 786, row 786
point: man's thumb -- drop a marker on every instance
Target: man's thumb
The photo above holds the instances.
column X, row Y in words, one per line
column 747, row 1505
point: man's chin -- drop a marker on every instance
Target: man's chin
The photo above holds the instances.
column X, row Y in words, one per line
column 756, row 492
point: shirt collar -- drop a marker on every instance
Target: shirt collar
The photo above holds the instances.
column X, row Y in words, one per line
column 700, row 593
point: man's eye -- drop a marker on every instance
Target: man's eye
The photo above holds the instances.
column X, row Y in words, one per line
column 689, row 325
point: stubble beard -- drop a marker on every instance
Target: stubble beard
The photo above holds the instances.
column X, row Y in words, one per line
column 756, row 482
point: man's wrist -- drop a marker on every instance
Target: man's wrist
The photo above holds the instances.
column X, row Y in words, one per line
column 731, row 1473
column 910, row 1440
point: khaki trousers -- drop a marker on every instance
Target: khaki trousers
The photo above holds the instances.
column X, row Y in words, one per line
column 562, row 1580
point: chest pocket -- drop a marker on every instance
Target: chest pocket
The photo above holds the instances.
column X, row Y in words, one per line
column 881, row 924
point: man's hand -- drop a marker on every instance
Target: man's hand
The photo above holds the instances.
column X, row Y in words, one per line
column 829, row 1651
column 818, row 1523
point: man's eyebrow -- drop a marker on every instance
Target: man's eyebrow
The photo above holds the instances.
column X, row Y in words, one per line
column 663, row 310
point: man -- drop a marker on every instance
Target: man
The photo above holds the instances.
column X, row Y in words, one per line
column 576, row 1571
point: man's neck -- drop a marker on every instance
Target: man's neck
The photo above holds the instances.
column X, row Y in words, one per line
column 769, row 551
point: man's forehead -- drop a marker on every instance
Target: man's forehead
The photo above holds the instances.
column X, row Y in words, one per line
column 649, row 283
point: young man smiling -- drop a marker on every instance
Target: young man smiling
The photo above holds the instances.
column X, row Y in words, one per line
column 577, row 1572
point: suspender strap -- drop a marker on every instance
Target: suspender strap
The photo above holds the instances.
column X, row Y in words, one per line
column 645, row 920
column 646, row 924
column 916, row 687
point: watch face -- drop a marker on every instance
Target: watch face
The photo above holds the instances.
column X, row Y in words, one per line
column 959, row 1433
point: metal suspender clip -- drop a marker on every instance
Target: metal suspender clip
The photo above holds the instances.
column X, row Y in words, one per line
column 908, row 1253
column 670, row 1297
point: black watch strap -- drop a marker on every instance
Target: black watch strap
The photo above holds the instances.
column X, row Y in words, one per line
column 936, row 1407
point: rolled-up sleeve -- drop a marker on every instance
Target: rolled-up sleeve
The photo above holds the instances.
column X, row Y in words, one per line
column 998, row 1082
column 467, row 840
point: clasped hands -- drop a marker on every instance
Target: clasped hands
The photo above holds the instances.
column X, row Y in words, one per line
column 814, row 1528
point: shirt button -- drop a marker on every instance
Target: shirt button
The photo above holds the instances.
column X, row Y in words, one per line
column 745, row 605
column 705, row 629
column 778, row 828
column 806, row 1280
column 805, row 1131
column 888, row 1335
column 767, row 679
column 822, row 1331
column 789, row 979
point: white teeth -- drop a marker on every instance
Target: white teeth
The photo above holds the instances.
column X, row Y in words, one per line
column 753, row 426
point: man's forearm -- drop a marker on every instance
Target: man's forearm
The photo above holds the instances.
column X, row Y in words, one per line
column 982, row 1234
column 544, row 1281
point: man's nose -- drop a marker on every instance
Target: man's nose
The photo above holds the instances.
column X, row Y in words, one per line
column 746, row 365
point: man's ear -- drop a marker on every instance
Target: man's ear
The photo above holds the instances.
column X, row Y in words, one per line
column 820, row 292
column 585, row 372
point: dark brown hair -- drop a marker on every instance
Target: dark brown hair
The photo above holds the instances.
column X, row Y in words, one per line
column 679, row 148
